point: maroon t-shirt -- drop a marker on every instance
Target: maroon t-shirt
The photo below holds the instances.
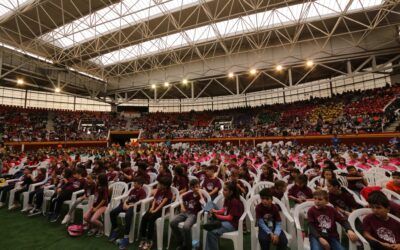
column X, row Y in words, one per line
column 136, row 195
column 300, row 192
column 386, row 231
column 69, row 185
column 270, row 215
column 234, row 207
column 192, row 202
column 79, row 184
column 210, row 184
column 127, row 172
column 201, row 175
column 180, row 182
column 344, row 200
column 161, row 194
column 111, row 176
column 39, row 178
column 324, row 220
column 101, row 194
column 355, row 184
column 166, row 174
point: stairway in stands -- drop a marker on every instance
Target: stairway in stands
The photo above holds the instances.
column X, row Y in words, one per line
column 392, row 127
column 50, row 122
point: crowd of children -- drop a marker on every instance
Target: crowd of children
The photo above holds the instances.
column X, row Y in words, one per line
column 202, row 174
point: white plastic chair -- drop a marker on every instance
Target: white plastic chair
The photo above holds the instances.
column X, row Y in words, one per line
column 153, row 177
column 247, row 185
column 356, row 197
column 235, row 236
column 288, row 225
column 258, row 187
column 118, row 189
column 25, row 195
column 301, row 210
column 196, row 227
column 391, row 195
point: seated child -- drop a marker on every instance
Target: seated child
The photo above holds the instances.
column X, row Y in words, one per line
column 162, row 197
column 381, row 231
column 191, row 204
column 355, row 179
column 342, row 200
column 135, row 195
column 394, row 184
column 269, row 223
column 91, row 217
column 322, row 220
column 229, row 216
column 299, row 192
column 211, row 183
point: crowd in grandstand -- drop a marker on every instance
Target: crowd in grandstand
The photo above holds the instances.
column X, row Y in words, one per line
column 351, row 112
column 348, row 176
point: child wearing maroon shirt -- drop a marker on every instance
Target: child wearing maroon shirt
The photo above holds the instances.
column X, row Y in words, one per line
column 229, row 216
column 112, row 172
column 27, row 180
column 322, row 224
column 162, row 197
column 99, row 206
column 141, row 172
column 299, row 192
column 279, row 189
column 342, row 200
column 180, row 180
column 355, row 179
column 267, row 173
column 191, row 204
column 69, row 184
column 135, row 195
column 89, row 189
column 381, row 231
column 269, row 223
column 211, row 183
column 127, row 173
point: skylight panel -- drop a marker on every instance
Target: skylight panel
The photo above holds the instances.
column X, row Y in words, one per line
column 10, row 6
column 250, row 23
column 117, row 16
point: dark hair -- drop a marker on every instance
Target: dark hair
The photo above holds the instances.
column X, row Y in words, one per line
column 280, row 183
column 165, row 181
column 43, row 170
column 79, row 171
column 265, row 194
column 350, row 167
column 102, row 180
column 335, row 183
column 295, row 170
column 142, row 165
column 193, row 183
column 396, row 173
column 139, row 180
column 330, row 164
column 302, row 179
column 125, row 165
column 232, row 187
column 179, row 170
column 67, row 173
column 378, row 198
